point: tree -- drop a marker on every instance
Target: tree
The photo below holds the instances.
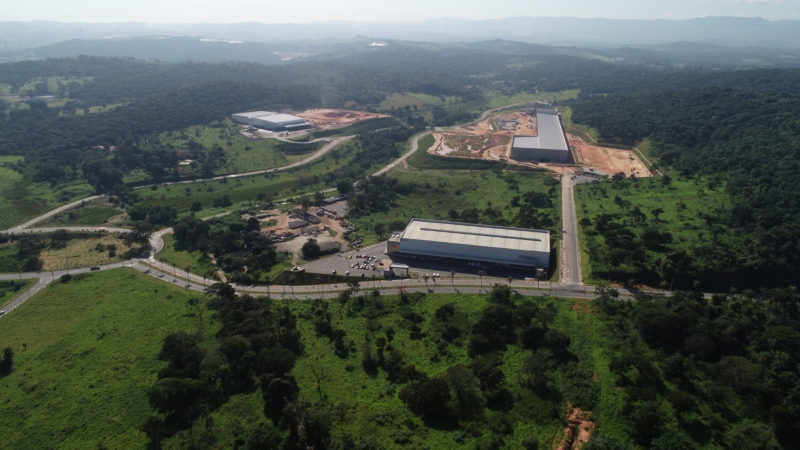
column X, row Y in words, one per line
column 657, row 212
column 345, row 187
column 7, row 364
column 428, row 399
column 310, row 249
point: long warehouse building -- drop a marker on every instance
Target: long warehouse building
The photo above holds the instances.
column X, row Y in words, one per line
column 269, row 120
column 506, row 246
column 549, row 146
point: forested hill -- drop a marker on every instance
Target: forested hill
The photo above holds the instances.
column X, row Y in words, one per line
column 750, row 141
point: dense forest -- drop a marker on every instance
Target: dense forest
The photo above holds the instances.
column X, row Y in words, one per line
column 747, row 139
column 139, row 99
column 696, row 372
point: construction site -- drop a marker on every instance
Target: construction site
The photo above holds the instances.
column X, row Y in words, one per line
column 335, row 118
column 492, row 139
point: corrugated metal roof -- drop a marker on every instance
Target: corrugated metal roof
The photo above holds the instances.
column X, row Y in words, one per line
column 478, row 235
column 269, row 116
column 550, row 135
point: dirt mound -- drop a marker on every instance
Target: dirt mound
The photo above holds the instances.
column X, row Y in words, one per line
column 579, row 429
column 334, row 118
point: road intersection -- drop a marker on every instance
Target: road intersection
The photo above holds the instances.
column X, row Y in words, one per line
column 570, row 284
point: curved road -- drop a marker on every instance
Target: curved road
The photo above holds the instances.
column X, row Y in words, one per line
column 570, row 286
column 316, row 155
column 49, row 214
column 393, row 164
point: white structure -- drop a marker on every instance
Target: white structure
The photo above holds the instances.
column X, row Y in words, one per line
column 507, row 246
column 271, row 120
column 550, row 145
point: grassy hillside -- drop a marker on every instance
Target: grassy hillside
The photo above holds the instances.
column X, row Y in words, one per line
column 439, row 192
column 632, row 216
column 85, row 353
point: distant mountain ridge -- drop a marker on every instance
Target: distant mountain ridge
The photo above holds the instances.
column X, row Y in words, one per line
column 163, row 48
column 721, row 31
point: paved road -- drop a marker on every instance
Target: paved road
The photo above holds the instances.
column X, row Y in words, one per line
column 49, row 214
column 17, row 230
column 316, row 155
column 570, row 250
column 570, row 285
column 570, row 256
column 46, row 278
column 393, row 164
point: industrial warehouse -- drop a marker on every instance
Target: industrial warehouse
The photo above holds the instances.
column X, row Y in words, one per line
column 273, row 121
column 505, row 246
column 550, row 145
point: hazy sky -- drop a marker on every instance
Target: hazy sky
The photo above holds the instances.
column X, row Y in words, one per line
column 173, row 11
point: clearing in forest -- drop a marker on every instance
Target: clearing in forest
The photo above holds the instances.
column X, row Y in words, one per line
column 608, row 160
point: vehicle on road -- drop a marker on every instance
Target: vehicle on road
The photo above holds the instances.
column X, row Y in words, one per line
column 95, row 268
column 2, row 312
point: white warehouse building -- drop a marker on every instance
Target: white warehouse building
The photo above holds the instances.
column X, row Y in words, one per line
column 269, row 120
column 550, row 144
column 506, row 246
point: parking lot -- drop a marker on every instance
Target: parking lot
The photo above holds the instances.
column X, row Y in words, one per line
column 368, row 262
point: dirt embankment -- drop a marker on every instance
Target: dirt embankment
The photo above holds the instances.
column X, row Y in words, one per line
column 608, row 160
column 335, row 118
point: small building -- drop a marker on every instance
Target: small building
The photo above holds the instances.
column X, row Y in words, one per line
column 299, row 223
column 471, row 243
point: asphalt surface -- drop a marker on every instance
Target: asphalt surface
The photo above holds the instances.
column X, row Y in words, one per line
column 316, row 155
column 393, row 164
column 49, row 214
column 570, row 285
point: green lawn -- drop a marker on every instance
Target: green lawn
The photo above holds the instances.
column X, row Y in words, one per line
column 95, row 215
column 10, row 289
column 85, row 354
column 21, row 199
column 197, row 262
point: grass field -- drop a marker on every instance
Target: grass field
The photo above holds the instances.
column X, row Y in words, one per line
column 252, row 191
column 85, row 251
column 197, row 262
column 443, row 191
column 95, row 215
column 497, row 100
column 588, row 134
column 401, row 100
column 85, row 354
column 10, row 289
column 241, row 154
column 683, row 202
column 21, row 200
